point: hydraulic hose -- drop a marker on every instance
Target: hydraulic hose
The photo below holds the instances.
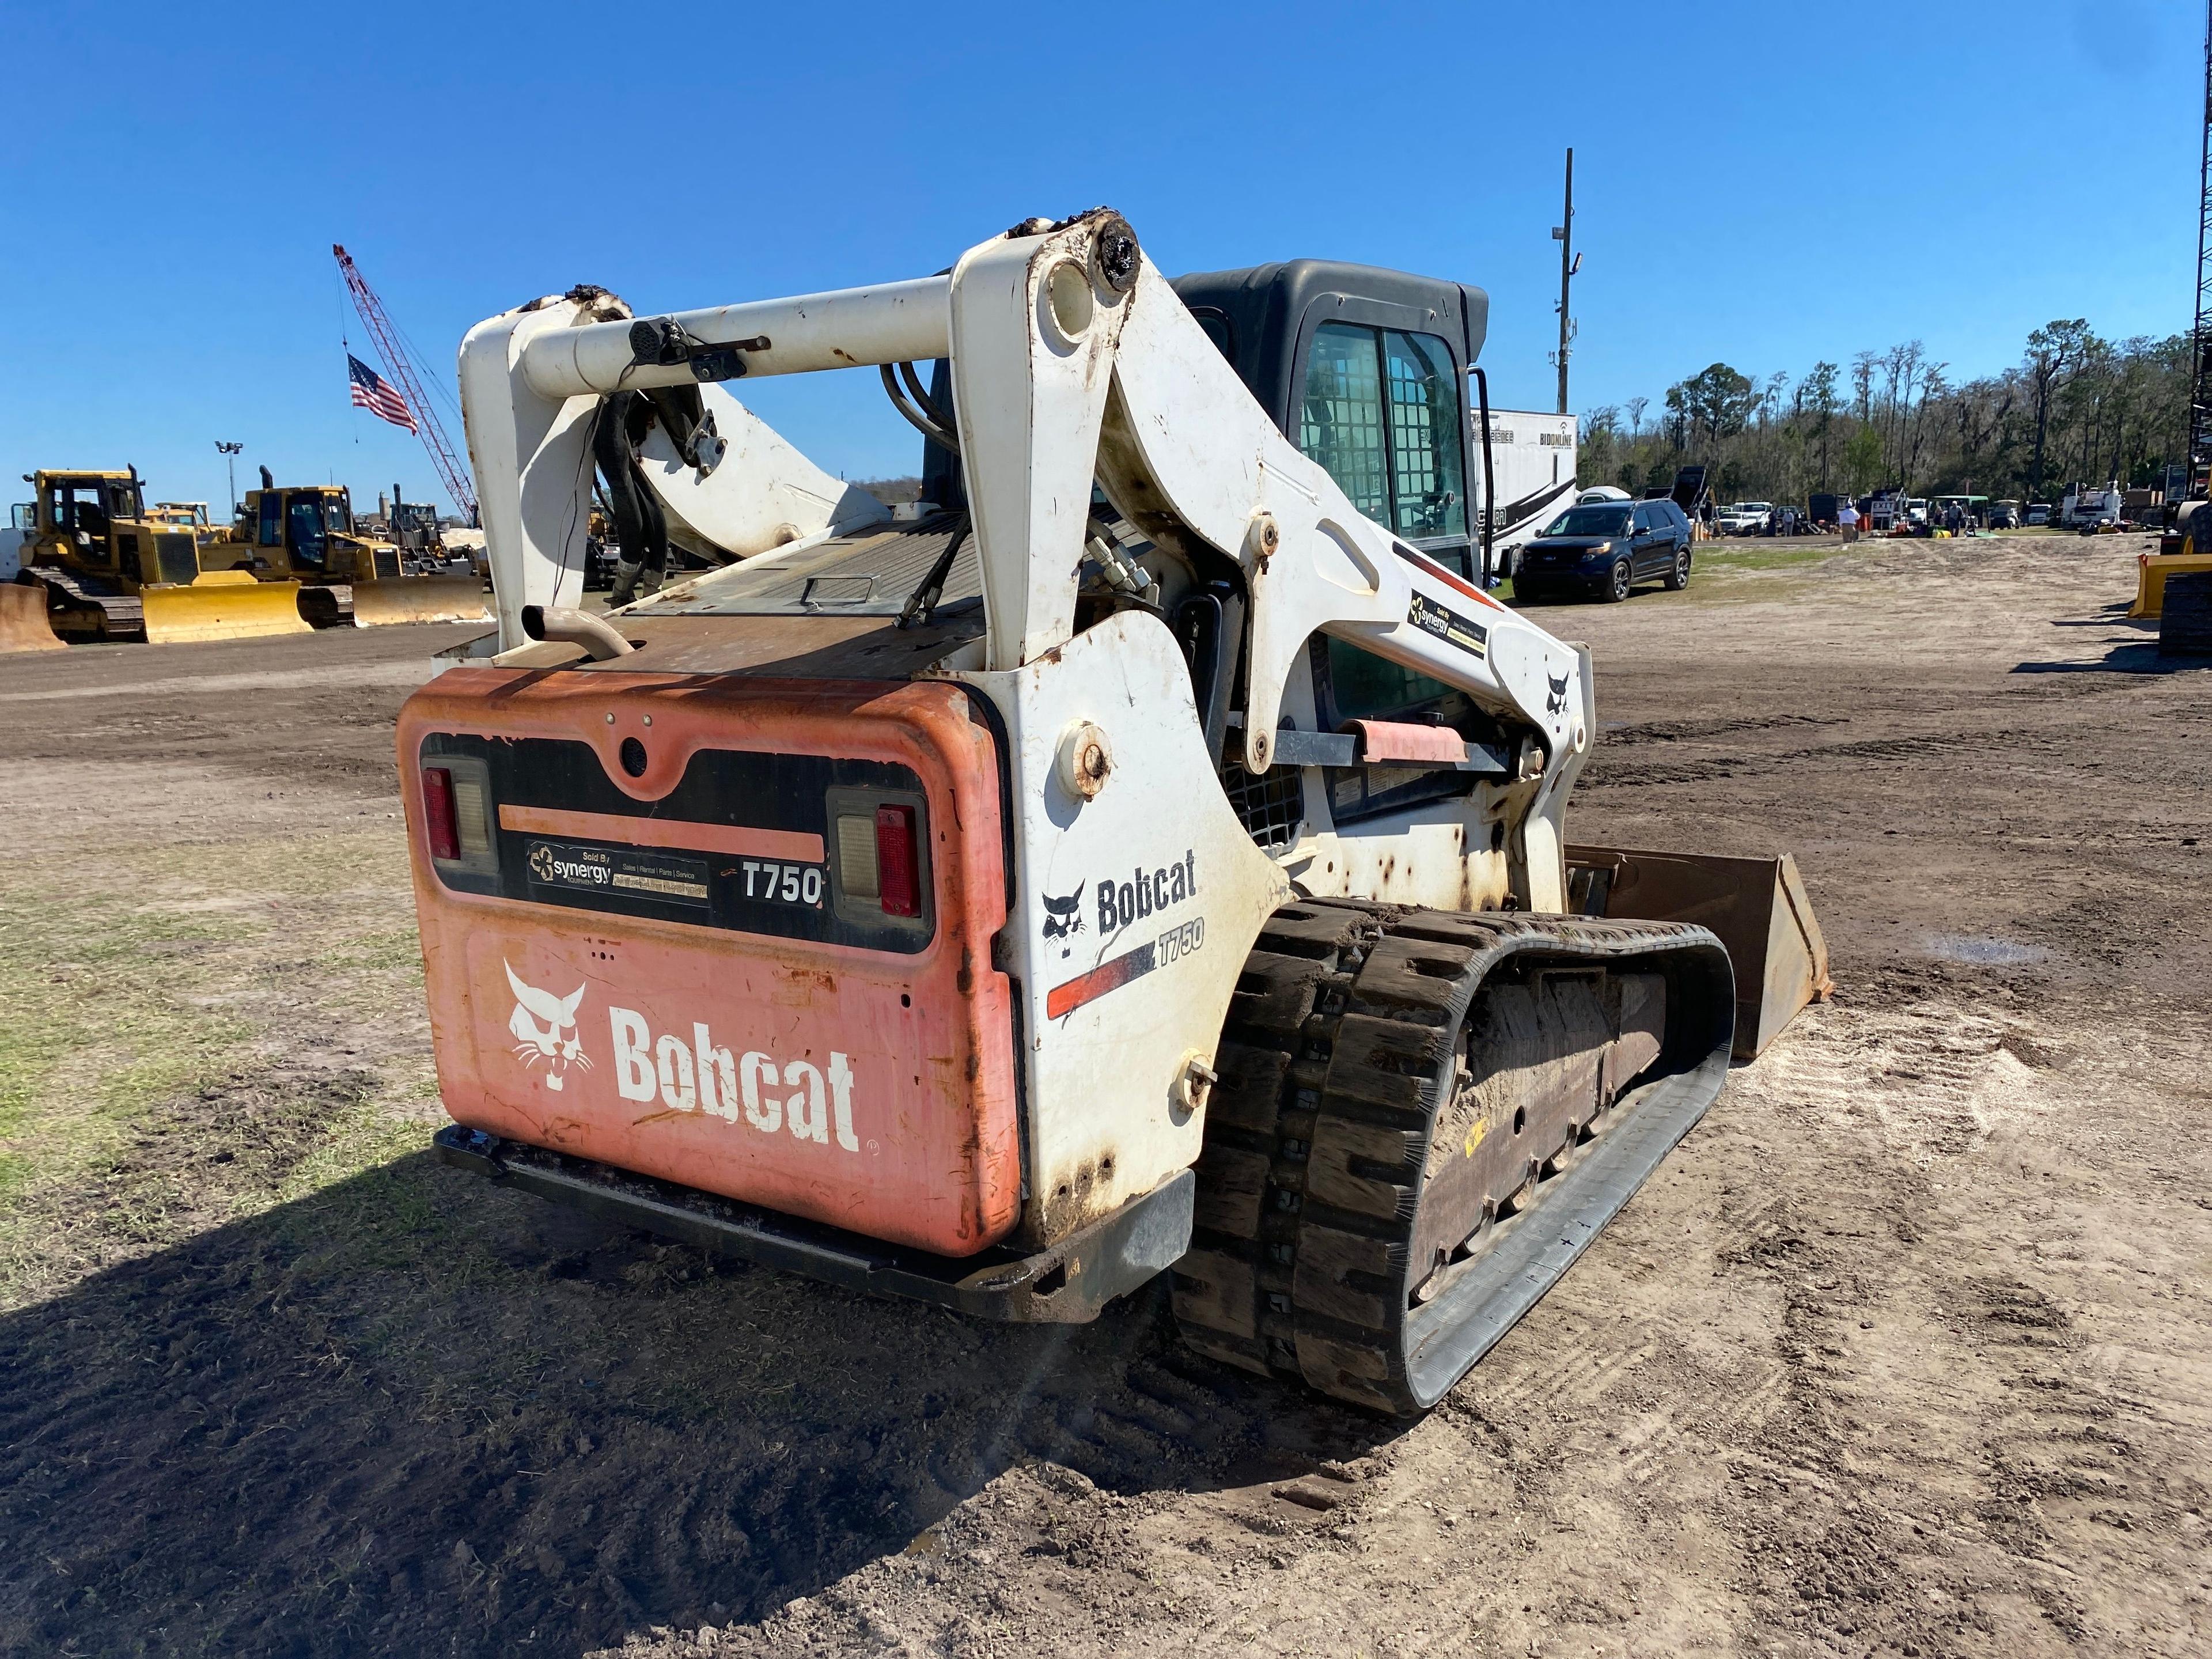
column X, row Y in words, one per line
column 640, row 525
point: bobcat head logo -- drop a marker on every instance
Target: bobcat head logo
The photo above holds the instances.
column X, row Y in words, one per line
column 554, row 1041
column 1064, row 917
column 1557, row 702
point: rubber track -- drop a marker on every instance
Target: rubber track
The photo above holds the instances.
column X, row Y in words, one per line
column 1346, row 1016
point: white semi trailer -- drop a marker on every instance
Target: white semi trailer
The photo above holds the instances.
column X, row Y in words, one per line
column 1532, row 472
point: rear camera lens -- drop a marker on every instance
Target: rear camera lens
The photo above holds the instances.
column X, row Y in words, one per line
column 633, row 757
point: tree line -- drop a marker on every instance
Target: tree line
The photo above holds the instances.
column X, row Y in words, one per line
column 2077, row 408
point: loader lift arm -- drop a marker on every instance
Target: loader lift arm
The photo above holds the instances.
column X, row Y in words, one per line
column 1059, row 382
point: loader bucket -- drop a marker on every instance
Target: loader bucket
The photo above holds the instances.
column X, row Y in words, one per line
column 222, row 604
column 420, row 599
column 23, row 624
column 1756, row 907
column 2151, row 571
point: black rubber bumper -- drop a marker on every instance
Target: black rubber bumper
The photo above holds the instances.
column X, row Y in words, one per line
column 1069, row 1284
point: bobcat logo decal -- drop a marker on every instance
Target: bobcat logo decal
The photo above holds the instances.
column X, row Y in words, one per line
column 1557, row 702
column 555, row 1039
column 1064, row 917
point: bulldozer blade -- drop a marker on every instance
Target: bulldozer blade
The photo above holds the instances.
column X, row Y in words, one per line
column 23, row 624
column 1758, row 908
column 2151, row 571
column 217, row 608
column 420, row 599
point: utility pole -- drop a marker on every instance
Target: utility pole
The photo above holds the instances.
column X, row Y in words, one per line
column 1570, row 263
column 2200, row 400
column 230, row 465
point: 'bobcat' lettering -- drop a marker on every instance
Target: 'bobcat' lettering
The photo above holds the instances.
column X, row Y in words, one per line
column 814, row 1102
column 1124, row 904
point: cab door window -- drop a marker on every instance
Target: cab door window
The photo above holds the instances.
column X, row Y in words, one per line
column 1340, row 420
column 79, row 513
column 269, row 533
column 1381, row 414
column 1428, row 465
column 303, row 531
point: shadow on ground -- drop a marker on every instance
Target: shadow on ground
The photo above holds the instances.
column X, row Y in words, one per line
column 2132, row 652
column 416, row 1414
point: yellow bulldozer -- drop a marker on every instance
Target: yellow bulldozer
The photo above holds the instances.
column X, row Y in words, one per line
column 101, row 567
column 306, row 535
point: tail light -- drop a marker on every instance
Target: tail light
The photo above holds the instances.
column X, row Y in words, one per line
column 880, row 855
column 457, row 812
column 898, row 861
column 438, row 812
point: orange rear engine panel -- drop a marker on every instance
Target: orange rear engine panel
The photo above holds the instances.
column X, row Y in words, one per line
column 730, row 933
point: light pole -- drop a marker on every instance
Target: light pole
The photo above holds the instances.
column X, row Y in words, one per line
column 230, row 452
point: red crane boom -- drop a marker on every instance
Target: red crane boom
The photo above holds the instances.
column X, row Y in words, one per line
column 443, row 456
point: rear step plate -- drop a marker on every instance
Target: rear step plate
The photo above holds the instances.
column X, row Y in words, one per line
column 1069, row 1284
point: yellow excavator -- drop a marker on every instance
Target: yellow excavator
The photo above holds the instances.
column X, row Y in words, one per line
column 305, row 535
column 106, row 568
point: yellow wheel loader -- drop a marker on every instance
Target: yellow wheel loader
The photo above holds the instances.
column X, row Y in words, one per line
column 109, row 569
column 1146, row 856
column 305, row 534
column 2184, row 551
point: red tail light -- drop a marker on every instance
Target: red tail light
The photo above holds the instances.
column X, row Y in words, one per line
column 438, row 813
column 898, row 861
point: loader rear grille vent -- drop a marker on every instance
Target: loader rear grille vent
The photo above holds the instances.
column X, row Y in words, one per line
column 1268, row 806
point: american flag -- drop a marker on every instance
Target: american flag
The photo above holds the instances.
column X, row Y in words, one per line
column 370, row 393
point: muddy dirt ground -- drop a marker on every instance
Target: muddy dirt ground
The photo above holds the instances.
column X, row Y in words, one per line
column 1906, row 1351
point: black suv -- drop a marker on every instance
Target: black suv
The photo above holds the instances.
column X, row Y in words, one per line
column 1604, row 549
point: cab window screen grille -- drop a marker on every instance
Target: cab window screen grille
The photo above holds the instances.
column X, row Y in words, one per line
column 1426, row 458
column 1340, row 421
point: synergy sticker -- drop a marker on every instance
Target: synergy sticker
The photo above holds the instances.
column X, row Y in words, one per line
column 1447, row 624
column 636, row 871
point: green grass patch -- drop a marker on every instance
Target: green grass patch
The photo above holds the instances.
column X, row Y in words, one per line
column 386, row 950
column 1713, row 558
column 1720, row 556
column 146, row 1002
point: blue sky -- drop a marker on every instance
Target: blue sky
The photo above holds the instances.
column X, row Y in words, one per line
column 1761, row 183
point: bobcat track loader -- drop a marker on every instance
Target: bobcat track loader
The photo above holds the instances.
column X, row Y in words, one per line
column 108, row 570
column 1146, row 856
